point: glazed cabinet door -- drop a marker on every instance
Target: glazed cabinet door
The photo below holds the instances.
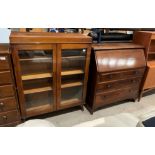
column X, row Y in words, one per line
column 72, row 73
column 35, row 69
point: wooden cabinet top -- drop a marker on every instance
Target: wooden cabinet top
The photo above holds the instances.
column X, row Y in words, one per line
column 115, row 46
column 48, row 37
column 116, row 60
column 4, row 48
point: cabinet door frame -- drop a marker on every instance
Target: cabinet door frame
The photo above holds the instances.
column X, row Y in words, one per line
column 15, row 49
column 61, row 47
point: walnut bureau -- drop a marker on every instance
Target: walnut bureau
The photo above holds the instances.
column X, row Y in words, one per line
column 51, row 70
column 9, row 111
column 116, row 72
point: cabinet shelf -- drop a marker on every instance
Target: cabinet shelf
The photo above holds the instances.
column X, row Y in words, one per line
column 37, row 58
column 75, row 100
column 36, row 76
column 72, row 72
column 151, row 52
column 37, row 90
column 73, row 84
column 46, row 75
column 73, row 57
column 48, row 88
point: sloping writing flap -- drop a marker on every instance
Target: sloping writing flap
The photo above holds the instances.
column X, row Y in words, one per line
column 114, row 60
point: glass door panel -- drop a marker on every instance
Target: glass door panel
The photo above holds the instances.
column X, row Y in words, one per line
column 37, row 69
column 72, row 75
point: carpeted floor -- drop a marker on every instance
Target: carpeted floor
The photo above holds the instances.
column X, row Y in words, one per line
column 76, row 116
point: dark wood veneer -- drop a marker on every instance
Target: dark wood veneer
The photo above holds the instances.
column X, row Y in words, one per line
column 116, row 72
column 50, row 91
column 9, row 112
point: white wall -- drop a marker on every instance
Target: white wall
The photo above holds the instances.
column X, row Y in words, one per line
column 4, row 35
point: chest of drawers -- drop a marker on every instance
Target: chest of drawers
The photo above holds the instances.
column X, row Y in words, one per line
column 115, row 74
column 9, row 113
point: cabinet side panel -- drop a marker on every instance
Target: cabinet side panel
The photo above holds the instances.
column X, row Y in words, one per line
column 18, row 81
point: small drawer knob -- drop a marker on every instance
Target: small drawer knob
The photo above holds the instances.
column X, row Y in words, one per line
column 1, row 104
column 133, row 81
column 104, row 96
column 108, row 86
column 136, row 72
column 5, row 117
column 110, row 76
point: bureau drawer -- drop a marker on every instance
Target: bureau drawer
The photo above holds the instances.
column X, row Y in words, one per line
column 111, row 86
column 115, row 96
column 5, row 78
column 6, row 91
column 120, row 75
column 4, row 63
column 8, row 104
column 9, row 117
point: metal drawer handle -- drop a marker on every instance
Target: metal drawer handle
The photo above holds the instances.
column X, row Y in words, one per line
column 1, row 104
column 5, row 117
column 109, row 86
column 110, row 76
column 136, row 72
column 133, row 81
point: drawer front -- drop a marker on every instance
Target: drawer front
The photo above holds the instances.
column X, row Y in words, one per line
column 6, row 91
column 115, row 96
column 110, row 86
column 5, row 78
column 4, row 63
column 8, row 104
column 121, row 75
column 8, row 117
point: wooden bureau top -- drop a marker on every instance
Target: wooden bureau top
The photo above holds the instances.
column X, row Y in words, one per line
column 4, row 48
column 116, row 60
column 115, row 46
column 48, row 37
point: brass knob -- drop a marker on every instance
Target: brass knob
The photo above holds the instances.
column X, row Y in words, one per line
column 108, row 86
column 136, row 72
column 1, row 104
column 5, row 117
column 110, row 76
column 133, row 81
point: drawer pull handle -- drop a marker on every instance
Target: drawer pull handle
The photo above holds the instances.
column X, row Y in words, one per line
column 110, row 76
column 1, row 104
column 5, row 117
column 133, row 81
column 136, row 72
column 108, row 86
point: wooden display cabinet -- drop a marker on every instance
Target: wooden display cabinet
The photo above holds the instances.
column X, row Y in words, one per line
column 147, row 39
column 51, row 70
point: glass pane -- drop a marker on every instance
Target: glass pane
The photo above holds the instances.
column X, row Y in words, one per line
column 72, row 75
column 71, row 94
column 36, row 68
column 73, row 59
column 33, row 62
